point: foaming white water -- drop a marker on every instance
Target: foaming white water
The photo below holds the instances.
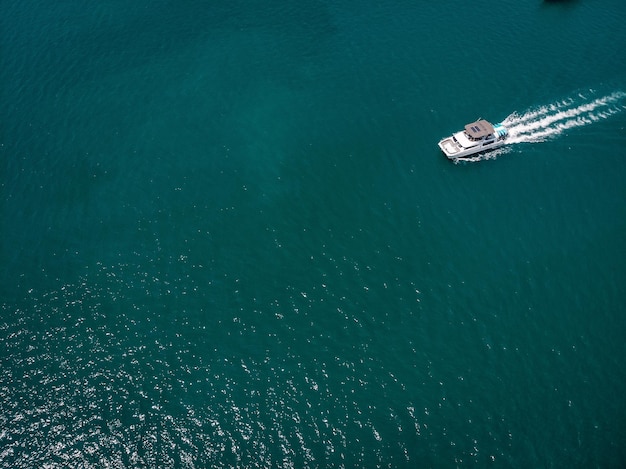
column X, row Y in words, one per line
column 540, row 124
column 490, row 155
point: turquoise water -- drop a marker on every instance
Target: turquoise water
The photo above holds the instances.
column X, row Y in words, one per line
column 229, row 239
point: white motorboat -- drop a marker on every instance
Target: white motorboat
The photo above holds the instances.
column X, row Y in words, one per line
column 479, row 136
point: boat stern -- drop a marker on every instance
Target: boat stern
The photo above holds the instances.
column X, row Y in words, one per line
column 500, row 131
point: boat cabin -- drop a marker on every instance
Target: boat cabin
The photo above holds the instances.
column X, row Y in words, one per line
column 479, row 129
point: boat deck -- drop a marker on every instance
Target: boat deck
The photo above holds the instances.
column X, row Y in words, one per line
column 450, row 147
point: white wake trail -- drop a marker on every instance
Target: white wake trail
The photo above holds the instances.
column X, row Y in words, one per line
column 541, row 111
column 545, row 122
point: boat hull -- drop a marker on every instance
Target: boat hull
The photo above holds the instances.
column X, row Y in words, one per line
column 454, row 151
column 478, row 137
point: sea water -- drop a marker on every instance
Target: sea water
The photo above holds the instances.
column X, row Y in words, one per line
column 228, row 237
